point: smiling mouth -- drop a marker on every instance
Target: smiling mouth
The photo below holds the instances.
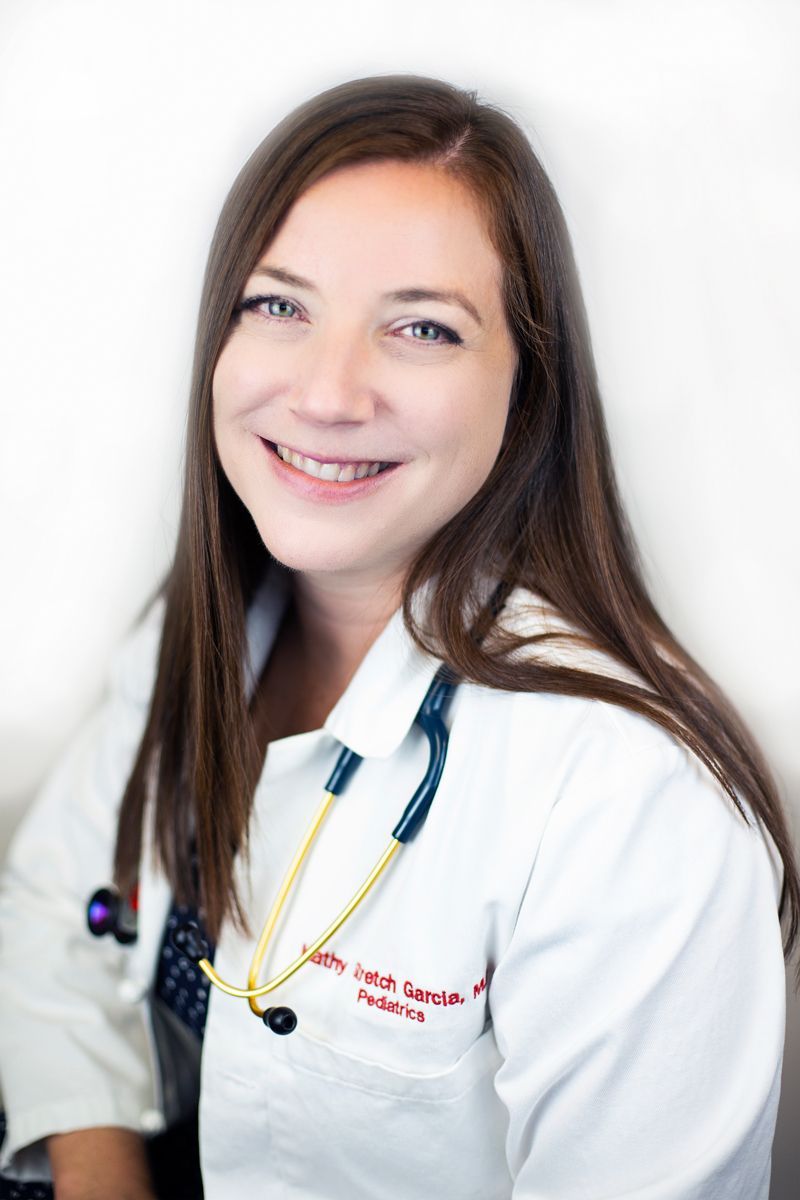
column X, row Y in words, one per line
column 331, row 472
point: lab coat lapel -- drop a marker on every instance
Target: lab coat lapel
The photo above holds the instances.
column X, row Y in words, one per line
column 383, row 698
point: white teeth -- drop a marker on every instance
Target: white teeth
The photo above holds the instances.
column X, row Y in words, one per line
column 338, row 472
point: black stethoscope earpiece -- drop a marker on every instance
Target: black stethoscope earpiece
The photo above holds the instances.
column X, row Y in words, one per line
column 280, row 1019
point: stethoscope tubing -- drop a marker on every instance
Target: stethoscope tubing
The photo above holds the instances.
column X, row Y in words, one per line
column 431, row 719
column 189, row 939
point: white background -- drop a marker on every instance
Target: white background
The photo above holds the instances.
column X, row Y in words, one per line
column 670, row 129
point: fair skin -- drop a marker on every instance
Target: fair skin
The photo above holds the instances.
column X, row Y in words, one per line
column 346, row 372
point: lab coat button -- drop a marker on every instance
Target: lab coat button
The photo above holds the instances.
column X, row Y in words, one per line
column 129, row 991
column 152, row 1121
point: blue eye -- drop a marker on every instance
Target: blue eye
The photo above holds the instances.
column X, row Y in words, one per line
column 265, row 307
column 279, row 304
column 253, row 303
column 443, row 334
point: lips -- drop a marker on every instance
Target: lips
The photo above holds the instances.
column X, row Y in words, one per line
column 344, row 471
column 329, row 470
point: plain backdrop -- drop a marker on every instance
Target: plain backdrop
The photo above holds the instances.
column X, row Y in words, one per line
column 670, row 130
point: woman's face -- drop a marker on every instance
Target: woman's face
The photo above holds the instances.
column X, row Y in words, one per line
column 361, row 398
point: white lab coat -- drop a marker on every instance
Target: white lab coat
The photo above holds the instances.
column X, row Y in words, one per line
column 569, row 986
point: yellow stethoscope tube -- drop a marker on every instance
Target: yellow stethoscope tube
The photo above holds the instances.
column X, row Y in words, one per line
column 430, row 720
column 254, row 989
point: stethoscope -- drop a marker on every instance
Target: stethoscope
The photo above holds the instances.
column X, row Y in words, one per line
column 108, row 912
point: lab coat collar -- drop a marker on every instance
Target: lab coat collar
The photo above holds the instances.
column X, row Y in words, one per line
column 378, row 707
column 382, row 700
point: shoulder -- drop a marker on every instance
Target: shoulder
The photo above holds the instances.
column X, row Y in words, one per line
column 134, row 662
column 606, row 740
column 553, row 639
column 66, row 837
column 560, row 732
column 599, row 780
column 635, row 842
column 639, row 830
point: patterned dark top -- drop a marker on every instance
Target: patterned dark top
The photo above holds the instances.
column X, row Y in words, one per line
column 181, row 984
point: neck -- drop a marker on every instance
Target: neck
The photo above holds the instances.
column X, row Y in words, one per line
column 337, row 621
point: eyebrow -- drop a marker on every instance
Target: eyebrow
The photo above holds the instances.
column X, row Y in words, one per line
column 403, row 295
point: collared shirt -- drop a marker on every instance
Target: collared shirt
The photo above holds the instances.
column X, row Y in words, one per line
column 569, row 985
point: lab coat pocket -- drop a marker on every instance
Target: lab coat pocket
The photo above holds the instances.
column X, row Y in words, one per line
column 373, row 1130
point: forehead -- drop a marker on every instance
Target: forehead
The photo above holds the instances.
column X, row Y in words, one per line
column 389, row 221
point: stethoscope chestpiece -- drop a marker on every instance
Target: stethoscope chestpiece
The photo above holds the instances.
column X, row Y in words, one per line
column 280, row 1019
column 106, row 913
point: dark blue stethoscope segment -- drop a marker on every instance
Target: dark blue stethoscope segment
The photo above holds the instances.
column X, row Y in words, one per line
column 430, row 718
column 347, row 764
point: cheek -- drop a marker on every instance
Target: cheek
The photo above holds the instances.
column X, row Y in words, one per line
column 225, row 388
column 232, row 398
column 241, row 382
column 470, row 431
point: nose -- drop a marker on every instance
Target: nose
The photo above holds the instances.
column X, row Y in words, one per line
column 332, row 386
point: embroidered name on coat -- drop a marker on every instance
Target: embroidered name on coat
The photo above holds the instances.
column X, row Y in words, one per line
column 377, row 988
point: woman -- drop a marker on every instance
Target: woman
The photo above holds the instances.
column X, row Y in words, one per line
column 569, row 982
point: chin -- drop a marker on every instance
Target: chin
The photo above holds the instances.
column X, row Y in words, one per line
column 307, row 556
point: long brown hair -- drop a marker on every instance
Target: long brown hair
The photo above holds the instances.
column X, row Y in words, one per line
column 548, row 518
